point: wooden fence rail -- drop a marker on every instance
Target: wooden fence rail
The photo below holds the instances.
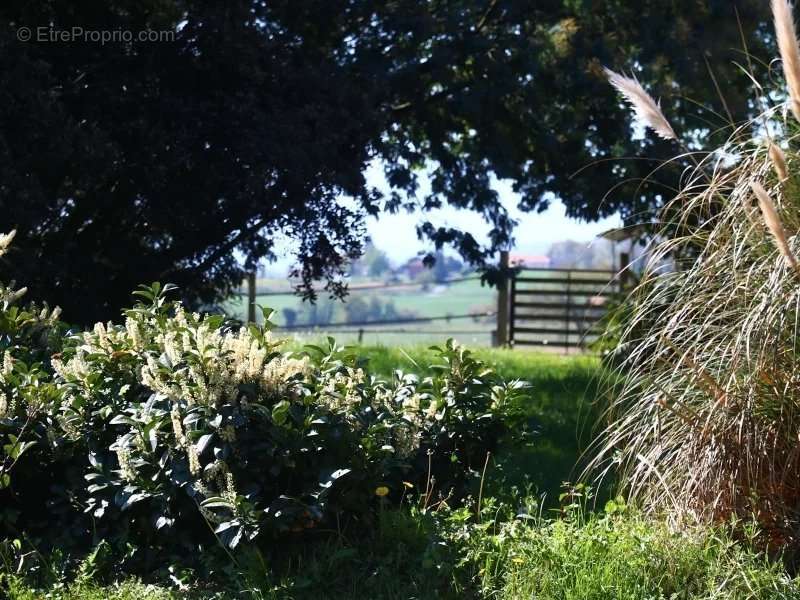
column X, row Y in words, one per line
column 555, row 307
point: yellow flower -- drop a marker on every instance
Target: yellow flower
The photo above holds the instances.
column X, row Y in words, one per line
column 408, row 485
column 518, row 560
column 381, row 491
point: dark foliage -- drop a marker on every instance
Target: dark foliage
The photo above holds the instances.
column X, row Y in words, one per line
column 142, row 161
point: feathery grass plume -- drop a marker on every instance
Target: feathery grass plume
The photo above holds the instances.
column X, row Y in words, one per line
column 778, row 159
column 774, row 223
column 789, row 49
column 645, row 107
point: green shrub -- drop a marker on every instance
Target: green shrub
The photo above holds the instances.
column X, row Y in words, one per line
column 158, row 431
column 218, row 420
column 29, row 397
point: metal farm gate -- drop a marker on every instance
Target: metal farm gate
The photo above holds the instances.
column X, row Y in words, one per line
column 558, row 307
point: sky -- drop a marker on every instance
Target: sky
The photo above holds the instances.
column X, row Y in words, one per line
column 396, row 234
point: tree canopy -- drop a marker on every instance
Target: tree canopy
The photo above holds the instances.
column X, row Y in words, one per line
column 183, row 160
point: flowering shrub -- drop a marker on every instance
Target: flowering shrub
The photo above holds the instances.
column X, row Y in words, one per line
column 157, row 431
column 28, row 336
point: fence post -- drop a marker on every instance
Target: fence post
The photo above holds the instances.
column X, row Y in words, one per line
column 624, row 274
column 251, row 297
column 569, row 312
column 501, row 336
column 511, row 319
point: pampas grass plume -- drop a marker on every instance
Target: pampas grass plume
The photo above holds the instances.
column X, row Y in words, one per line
column 790, row 51
column 773, row 222
column 647, row 109
column 778, row 161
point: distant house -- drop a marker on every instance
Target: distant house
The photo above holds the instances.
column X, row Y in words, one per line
column 411, row 268
column 529, row 261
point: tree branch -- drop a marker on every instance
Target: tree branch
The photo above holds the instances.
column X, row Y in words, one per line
column 226, row 247
column 485, row 18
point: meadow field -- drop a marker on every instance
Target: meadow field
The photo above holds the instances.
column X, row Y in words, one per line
column 418, row 301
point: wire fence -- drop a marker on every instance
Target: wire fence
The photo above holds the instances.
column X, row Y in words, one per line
column 377, row 323
column 548, row 307
column 366, row 287
column 380, row 329
column 442, row 332
column 395, row 329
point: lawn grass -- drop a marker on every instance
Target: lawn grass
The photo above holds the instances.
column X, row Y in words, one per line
column 447, row 555
column 18, row 589
column 626, row 557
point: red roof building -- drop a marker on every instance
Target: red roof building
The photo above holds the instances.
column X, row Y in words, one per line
column 529, row 261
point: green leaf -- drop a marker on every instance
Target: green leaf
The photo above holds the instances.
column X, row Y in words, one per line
column 203, row 442
column 153, row 438
column 216, row 503
column 267, row 313
column 15, row 448
column 163, row 521
column 133, row 499
column 280, row 412
column 122, row 420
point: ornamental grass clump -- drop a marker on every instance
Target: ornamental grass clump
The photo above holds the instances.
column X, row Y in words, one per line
column 708, row 422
